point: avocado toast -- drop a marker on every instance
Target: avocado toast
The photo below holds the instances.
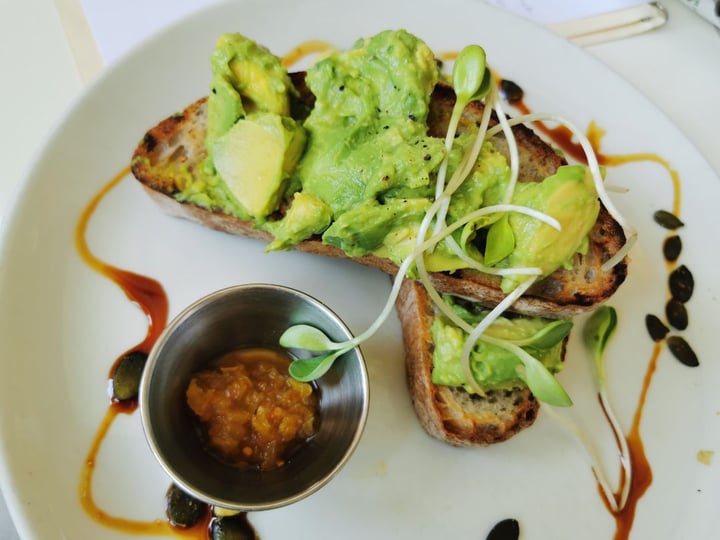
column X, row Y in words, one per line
column 347, row 170
column 450, row 413
column 175, row 149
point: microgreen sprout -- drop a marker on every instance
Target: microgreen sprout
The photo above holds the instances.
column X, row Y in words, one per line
column 599, row 329
column 500, row 241
column 597, row 333
column 541, row 382
column 548, row 336
column 310, row 369
column 595, row 171
column 303, row 336
column 472, row 81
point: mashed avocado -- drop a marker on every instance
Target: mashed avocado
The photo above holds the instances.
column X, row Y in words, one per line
column 367, row 139
column 253, row 144
column 306, row 217
column 360, row 170
column 388, row 227
column 493, row 367
column 368, row 131
column 247, row 78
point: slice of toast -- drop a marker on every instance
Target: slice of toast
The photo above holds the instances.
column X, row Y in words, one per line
column 176, row 147
column 447, row 413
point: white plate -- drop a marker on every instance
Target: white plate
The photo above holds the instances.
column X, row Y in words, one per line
column 61, row 324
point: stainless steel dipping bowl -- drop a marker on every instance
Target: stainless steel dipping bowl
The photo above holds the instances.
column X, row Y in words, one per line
column 229, row 319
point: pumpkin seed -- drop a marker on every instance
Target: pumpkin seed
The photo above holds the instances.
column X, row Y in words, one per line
column 682, row 351
column 655, row 327
column 511, row 91
column 668, row 220
column 232, row 528
column 182, row 509
column 681, row 283
column 677, row 314
column 127, row 375
column 507, row 529
column 672, row 248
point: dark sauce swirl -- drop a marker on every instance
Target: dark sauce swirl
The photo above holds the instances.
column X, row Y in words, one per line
column 124, row 374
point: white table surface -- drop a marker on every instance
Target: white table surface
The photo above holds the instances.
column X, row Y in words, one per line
column 677, row 67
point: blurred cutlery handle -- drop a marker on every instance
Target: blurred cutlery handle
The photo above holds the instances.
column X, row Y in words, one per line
column 612, row 25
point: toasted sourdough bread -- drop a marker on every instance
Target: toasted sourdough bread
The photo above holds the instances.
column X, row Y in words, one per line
column 177, row 144
column 451, row 414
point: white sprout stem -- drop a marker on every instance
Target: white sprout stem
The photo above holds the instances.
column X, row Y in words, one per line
column 394, row 292
column 422, row 272
column 449, row 137
column 424, row 246
column 590, row 452
column 463, row 171
column 476, row 332
column 545, row 218
column 480, row 212
column 625, row 462
column 438, row 300
column 512, row 150
column 594, row 167
column 424, row 277
column 467, row 162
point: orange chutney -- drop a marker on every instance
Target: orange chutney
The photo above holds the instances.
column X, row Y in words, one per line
column 252, row 412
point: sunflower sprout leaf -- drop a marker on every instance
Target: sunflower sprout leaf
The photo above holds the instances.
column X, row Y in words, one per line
column 543, row 384
column 598, row 331
column 310, row 369
column 468, row 72
column 548, row 336
column 309, row 338
column 500, row 241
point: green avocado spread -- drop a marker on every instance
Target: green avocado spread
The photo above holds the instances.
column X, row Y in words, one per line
column 493, row 367
column 363, row 159
column 359, row 172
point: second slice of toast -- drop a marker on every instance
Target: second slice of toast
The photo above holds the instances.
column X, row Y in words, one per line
column 451, row 414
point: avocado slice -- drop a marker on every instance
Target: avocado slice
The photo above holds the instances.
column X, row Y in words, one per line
column 255, row 158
